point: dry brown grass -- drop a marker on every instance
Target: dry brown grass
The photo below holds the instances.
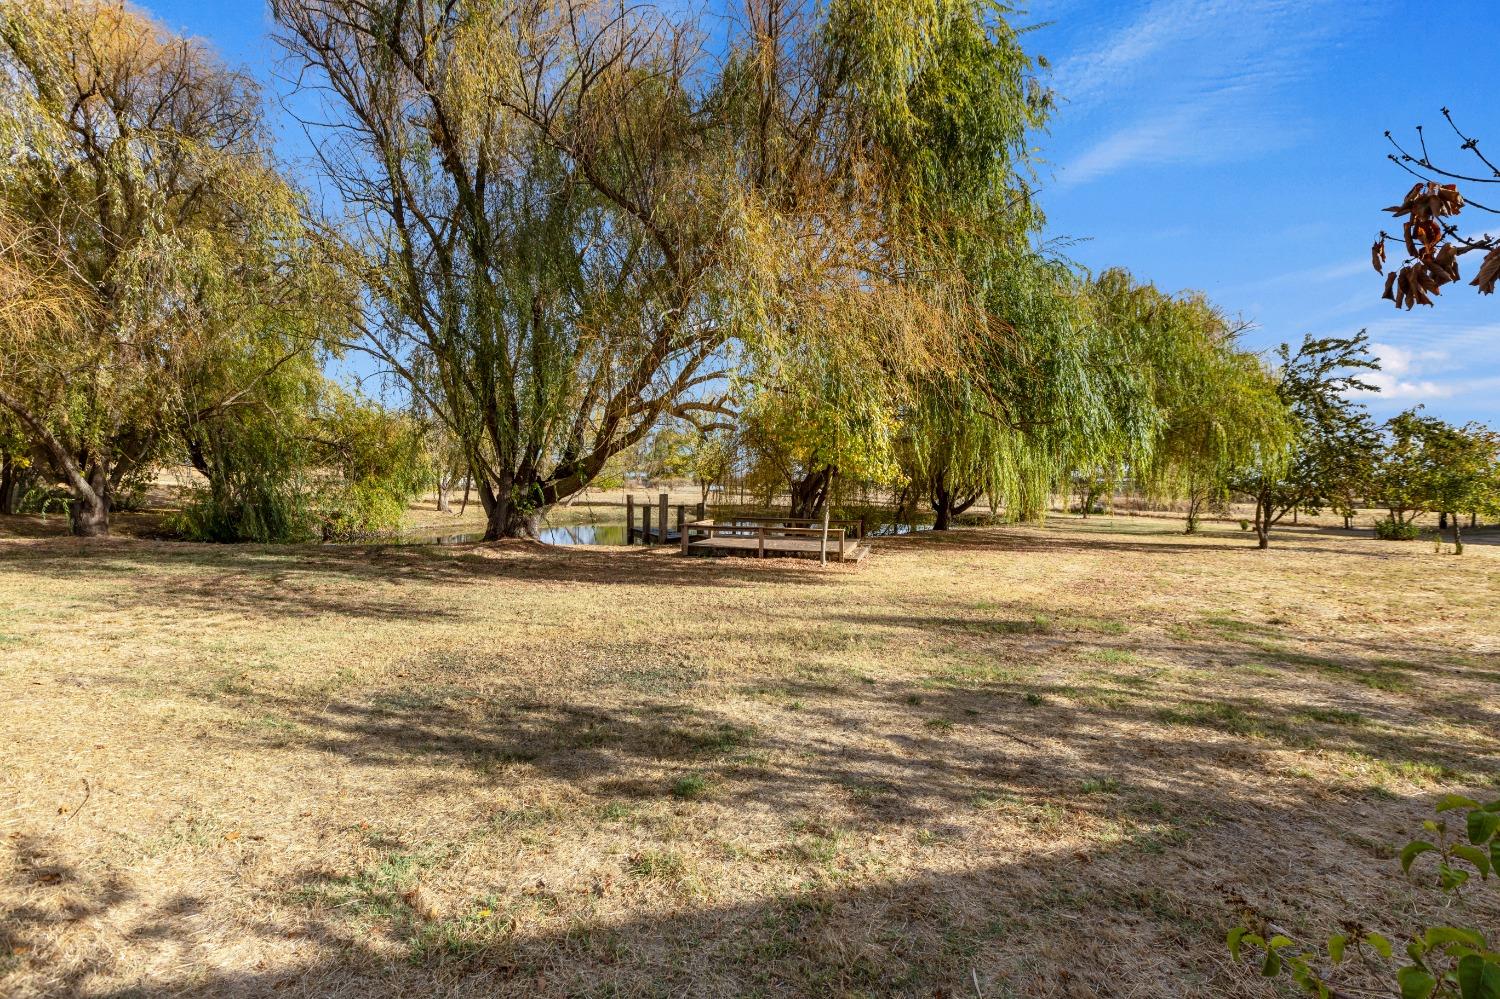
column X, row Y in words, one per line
column 1050, row 761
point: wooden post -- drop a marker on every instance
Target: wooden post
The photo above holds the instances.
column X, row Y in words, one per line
column 663, row 501
column 646, row 524
column 761, row 532
column 682, row 532
column 629, row 519
column 681, row 517
column 823, row 544
column 702, row 510
column 861, row 529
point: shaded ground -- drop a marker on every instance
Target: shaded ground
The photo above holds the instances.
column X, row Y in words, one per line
column 1014, row 761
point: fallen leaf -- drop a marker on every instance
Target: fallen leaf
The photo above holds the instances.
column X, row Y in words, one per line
column 230, row 837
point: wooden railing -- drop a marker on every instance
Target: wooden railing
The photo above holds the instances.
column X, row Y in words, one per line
column 857, row 524
column 768, row 528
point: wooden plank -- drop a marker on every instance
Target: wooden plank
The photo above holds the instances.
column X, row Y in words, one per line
column 772, row 546
column 629, row 519
column 790, row 532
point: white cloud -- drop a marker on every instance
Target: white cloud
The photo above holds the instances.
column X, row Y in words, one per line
column 1416, row 375
column 1397, row 361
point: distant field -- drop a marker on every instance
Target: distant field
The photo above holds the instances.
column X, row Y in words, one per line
column 1015, row 761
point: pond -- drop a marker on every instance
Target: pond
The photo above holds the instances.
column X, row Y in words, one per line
column 892, row 529
column 573, row 534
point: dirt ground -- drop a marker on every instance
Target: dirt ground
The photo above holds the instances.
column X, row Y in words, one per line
column 1012, row 761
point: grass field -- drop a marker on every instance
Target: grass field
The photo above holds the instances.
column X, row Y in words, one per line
column 1055, row 761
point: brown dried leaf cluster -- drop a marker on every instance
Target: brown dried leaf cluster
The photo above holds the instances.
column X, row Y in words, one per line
column 1489, row 271
column 1434, row 262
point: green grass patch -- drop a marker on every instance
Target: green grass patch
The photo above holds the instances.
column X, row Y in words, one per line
column 1333, row 716
column 1096, row 625
column 692, row 787
column 1233, row 719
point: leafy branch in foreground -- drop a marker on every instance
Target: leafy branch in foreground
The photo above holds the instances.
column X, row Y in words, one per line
column 1444, row 962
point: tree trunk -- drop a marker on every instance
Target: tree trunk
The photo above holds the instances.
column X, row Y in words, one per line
column 90, row 509
column 810, row 492
column 444, row 486
column 1263, row 523
column 942, row 503
column 504, row 517
column 1458, row 539
column 1442, row 520
column 10, row 487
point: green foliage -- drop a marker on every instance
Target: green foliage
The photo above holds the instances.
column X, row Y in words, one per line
column 1332, row 443
column 1442, row 962
column 1197, row 405
column 1391, row 529
column 379, row 461
column 338, row 468
column 150, row 210
column 1429, row 465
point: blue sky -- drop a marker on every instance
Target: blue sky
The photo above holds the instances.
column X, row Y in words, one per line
column 1229, row 146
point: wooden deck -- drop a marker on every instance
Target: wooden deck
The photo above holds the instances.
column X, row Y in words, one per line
column 780, row 547
column 760, row 537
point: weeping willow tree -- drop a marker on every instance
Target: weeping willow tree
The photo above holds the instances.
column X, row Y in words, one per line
column 139, row 187
column 546, row 212
column 1017, row 382
column 1045, row 392
column 894, row 130
column 1215, row 404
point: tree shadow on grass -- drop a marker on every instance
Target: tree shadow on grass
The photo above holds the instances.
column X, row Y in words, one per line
column 311, row 581
column 1139, row 908
column 1354, row 686
column 1134, row 842
column 1071, row 539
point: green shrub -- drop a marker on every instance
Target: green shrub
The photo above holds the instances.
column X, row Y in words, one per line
column 1392, row 530
column 344, row 469
column 131, row 494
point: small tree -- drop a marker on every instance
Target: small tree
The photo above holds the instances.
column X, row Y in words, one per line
column 1429, row 465
column 1314, row 384
column 1352, row 452
column 1092, row 483
column 1463, row 471
column 713, row 455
